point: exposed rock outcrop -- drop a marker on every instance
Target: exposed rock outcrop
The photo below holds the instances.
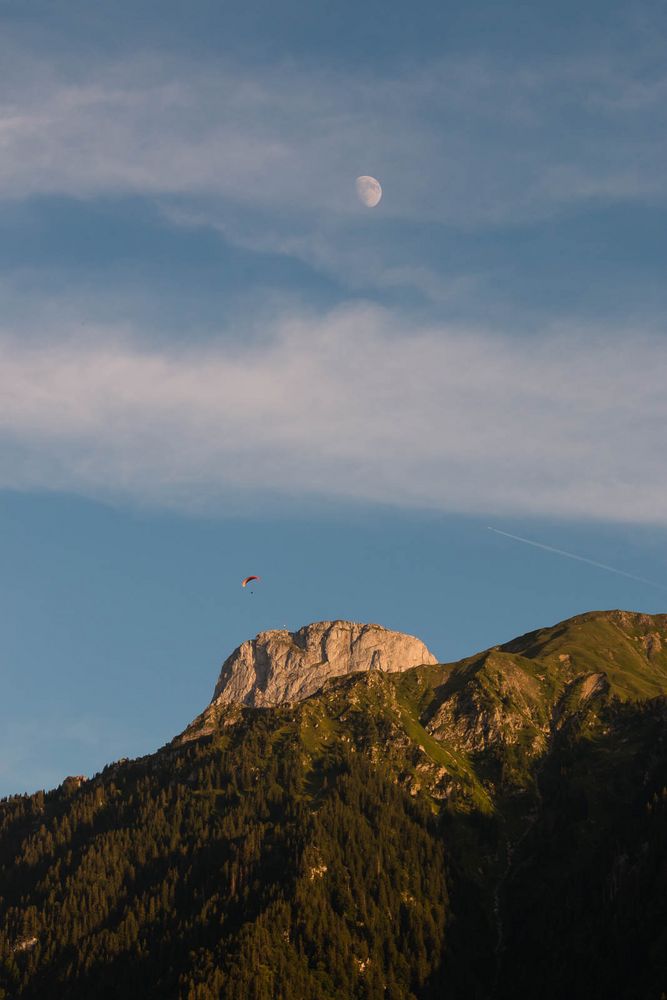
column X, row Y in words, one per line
column 492, row 701
column 280, row 666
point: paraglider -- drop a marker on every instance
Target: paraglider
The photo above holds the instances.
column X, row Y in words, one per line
column 248, row 579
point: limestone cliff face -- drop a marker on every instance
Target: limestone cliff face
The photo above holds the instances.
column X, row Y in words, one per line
column 281, row 666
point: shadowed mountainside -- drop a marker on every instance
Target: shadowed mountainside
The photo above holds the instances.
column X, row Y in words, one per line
column 495, row 827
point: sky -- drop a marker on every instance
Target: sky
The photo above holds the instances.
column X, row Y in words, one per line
column 214, row 361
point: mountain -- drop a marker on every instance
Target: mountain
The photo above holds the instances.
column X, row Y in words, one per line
column 491, row 828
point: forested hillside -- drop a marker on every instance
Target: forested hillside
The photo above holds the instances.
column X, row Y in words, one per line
column 492, row 828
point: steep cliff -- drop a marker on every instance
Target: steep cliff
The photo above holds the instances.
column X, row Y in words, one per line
column 280, row 666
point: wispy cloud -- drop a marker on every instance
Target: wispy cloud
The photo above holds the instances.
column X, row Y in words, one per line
column 469, row 141
column 352, row 404
column 267, row 154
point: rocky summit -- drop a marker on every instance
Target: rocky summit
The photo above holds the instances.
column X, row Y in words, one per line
column 280, row 666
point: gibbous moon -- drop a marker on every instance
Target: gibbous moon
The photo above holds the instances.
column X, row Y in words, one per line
column 369, row 191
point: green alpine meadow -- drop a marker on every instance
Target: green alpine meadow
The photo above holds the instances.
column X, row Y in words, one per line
column 491, row 828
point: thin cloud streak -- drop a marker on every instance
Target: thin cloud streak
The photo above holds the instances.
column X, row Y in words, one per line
column 583, row 559
column 471, row 141
column 352, row 404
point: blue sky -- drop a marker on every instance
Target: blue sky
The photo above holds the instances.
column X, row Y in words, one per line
column 214, row 361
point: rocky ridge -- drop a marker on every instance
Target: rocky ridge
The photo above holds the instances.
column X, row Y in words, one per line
column 280, row 666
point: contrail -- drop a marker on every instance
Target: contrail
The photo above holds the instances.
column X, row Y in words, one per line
column 571, row 555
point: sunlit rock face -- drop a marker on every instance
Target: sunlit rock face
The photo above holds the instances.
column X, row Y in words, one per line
column 281, row 666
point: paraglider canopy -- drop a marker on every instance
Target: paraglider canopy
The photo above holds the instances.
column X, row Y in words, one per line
column 247, row 580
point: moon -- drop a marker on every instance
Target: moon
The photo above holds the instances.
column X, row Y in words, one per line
column 369, row 191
